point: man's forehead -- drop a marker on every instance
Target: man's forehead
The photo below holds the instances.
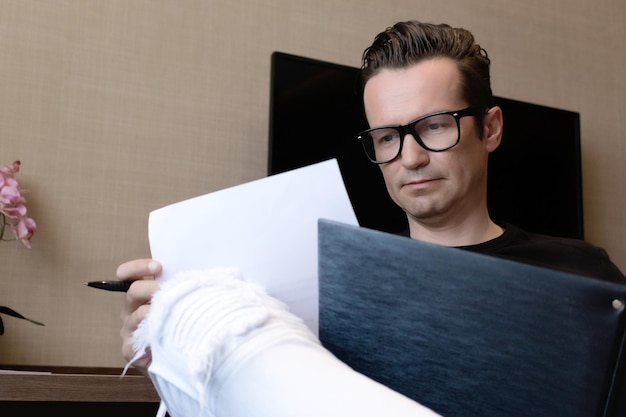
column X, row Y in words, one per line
column 393, row 95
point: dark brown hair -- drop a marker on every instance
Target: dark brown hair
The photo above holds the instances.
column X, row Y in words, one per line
column 407, row 43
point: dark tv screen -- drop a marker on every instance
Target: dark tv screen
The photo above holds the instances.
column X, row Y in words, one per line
column 534, row 180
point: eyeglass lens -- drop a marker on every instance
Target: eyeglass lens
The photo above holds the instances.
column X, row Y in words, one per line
column 434, row 133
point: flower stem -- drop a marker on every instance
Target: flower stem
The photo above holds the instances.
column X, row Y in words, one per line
column 3, row 224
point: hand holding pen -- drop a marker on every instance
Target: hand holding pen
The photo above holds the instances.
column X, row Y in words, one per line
column 136, row 302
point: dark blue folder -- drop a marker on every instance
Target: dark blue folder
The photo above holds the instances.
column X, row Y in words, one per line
column 470, row 335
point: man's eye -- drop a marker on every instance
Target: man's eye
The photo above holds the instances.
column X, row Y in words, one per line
column 385, row 137
column 435, row 126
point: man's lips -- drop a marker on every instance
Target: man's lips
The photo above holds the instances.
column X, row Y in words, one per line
column 421, row 183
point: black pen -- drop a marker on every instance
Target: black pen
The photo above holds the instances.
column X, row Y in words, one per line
column 120, row 286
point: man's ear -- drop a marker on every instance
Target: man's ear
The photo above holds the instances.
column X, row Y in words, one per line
column 492, row 128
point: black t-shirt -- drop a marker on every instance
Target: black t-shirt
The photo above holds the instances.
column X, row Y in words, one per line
column 569, row 255
column 563, row 254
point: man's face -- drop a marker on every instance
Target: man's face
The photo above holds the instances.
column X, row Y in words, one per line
column 434, row 188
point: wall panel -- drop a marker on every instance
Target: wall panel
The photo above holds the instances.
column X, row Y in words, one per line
column 119, row 107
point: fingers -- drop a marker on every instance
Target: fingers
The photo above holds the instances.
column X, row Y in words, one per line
column 136, row 307
column 130, row 323
column 138, row 269
column 141, row 291
column 139, row 294
column 137, row 303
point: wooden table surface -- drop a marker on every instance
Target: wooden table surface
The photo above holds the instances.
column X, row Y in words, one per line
column 74, row 384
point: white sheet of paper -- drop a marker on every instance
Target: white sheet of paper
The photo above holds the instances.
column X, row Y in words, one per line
column 265, row 228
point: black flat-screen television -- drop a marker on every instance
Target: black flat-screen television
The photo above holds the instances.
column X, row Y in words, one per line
column 534, row 180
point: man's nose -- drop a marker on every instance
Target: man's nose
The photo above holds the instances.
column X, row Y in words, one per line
column 413, row 154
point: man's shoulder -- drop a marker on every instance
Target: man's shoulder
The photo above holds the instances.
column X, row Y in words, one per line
column 565, row 254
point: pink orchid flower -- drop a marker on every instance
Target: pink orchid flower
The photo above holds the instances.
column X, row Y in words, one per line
column 13, row 211
column 13, row 214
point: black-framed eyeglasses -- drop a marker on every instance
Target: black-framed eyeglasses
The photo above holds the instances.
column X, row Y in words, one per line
column 435, row 132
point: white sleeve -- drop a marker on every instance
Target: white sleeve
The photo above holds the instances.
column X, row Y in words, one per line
column 222, row 347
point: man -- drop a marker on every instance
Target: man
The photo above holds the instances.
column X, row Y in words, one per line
column 428, row 99
column 436, row 169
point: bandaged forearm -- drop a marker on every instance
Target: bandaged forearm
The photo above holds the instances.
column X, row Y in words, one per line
column 222, row 347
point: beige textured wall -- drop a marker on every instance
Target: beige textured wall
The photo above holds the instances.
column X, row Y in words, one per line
column 118, row 107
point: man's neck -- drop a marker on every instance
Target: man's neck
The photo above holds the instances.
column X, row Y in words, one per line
column 455, row 234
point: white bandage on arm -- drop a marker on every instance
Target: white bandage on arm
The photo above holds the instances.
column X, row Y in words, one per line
column 222, row 347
